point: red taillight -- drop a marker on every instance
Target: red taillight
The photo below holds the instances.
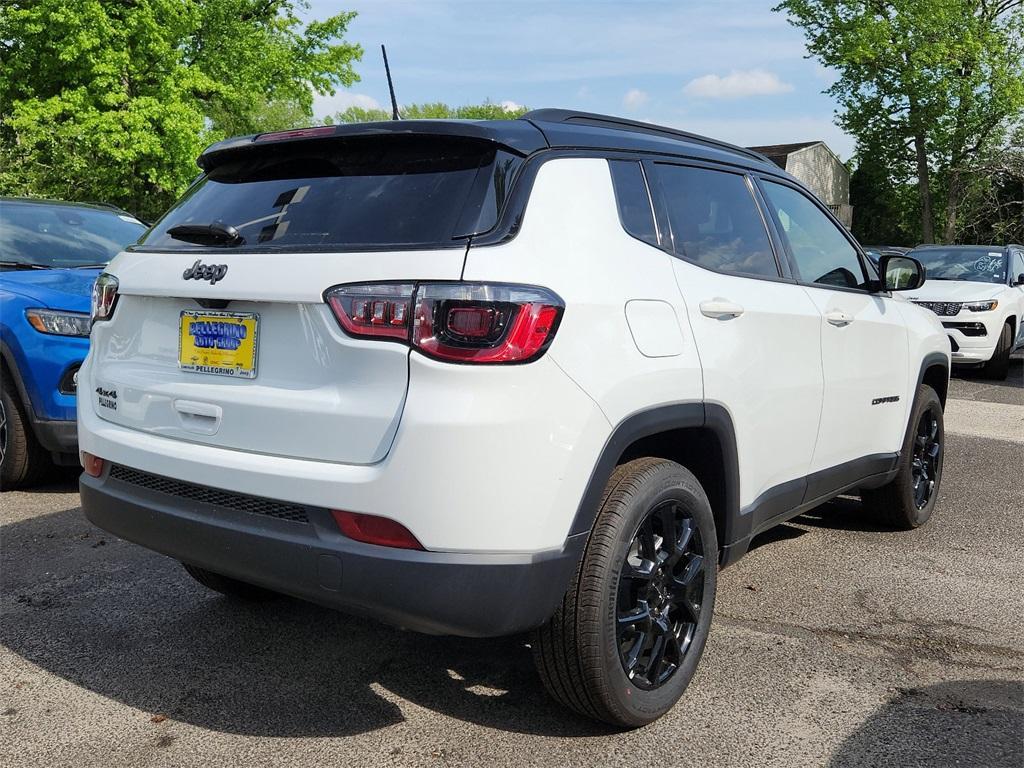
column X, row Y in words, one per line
column 93, row 465
column 373, row 311
column 372, row 529
column 458, row 322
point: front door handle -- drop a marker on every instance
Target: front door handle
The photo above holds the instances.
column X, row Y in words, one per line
column 839, row 319
column 720, row 308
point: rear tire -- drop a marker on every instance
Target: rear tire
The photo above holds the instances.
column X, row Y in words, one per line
column 233, row 588
column 907, row 501
column 626, row 640
column 22, row 460
column 998, row 367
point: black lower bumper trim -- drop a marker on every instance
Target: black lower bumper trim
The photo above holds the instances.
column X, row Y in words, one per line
column 471, row 595
column 57, row 436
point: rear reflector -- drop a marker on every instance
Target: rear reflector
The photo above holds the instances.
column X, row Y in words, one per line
column 372, row 529
column 455, row 322
column 93, row 465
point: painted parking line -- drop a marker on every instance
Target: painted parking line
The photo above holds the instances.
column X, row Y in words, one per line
column 998, row 421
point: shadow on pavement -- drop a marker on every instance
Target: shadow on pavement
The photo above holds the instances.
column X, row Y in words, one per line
column 131, row 625
column 56, row 480
column 962, row 723
column 1015, row 379
column 845, row 513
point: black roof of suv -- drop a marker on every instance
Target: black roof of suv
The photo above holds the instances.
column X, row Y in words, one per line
column 534, row 131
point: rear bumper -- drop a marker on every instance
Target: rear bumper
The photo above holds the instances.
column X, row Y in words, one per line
column 472, row 595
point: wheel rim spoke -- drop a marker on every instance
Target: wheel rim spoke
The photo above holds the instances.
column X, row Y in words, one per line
column 640, row 615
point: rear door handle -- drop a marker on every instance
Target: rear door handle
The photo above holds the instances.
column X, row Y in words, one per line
column 720, row 308
column 839, row 319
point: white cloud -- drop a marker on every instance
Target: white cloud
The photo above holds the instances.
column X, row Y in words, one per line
column 510, row 106
column 340, row 101
column 737, row 84
column 635, row 98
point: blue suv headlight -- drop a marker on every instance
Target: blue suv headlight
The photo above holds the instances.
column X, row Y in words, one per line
column 59, row 323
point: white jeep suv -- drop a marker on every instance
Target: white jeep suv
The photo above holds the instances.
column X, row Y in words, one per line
column 978, row 293
column 480, row 378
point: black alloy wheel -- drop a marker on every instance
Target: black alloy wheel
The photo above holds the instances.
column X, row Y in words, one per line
column 660, row 592
column 627, row 638
column 908, row 499
column 926, row 464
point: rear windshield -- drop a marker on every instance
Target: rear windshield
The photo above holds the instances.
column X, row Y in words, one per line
column 347, row 194
column 57, row 236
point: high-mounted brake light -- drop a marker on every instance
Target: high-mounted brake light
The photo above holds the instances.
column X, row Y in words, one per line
column 457, row 322
column 301, row 133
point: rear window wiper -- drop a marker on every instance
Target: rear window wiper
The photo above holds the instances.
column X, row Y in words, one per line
column 22, row 264
column 215, row 233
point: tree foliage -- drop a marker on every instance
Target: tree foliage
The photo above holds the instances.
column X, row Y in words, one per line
column 929, row 89
column 111, row 100
column 434, row 111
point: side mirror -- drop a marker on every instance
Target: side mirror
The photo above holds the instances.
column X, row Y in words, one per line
column 900, row 273
column 1020, row 279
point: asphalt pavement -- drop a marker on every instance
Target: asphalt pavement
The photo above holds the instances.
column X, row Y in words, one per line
column 835, row 643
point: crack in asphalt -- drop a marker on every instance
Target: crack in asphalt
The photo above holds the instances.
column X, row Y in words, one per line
column 902, row 648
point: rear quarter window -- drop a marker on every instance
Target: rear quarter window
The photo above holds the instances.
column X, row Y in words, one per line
column 349, row 194
column 633, row 200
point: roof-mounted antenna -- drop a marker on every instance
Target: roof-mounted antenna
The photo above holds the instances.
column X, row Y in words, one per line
column 391, row 86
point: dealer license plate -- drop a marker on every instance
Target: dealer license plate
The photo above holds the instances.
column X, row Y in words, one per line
column 221, row 343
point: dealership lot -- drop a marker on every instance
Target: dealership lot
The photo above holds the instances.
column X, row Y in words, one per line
column 835, row 643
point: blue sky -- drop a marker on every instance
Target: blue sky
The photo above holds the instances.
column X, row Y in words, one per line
column 731, row 69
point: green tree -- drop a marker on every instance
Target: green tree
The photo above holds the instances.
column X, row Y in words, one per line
column 927, row 87
column 433, row 111
column 113, row 101
column 884, row 213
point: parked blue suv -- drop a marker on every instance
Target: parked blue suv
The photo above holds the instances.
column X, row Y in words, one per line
column 50, row 255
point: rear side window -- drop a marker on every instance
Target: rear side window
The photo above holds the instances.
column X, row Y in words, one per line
column 633, row 200
column 715, row 221
column 822, row 253
column 348, row 194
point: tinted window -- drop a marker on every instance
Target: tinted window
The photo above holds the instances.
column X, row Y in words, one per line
column 63, row 235
column 1018, row 268
column 633, row 200
column 372, row 192
column 978, row 265
column 715, row 221
column 822, row 253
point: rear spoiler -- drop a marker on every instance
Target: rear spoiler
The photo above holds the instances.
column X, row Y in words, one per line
column 519, row 136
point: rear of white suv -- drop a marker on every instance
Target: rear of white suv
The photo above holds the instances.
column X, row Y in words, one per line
column 480, row 378
column 273, row 362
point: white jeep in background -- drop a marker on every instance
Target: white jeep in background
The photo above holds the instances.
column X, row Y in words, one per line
column 480, row 378
column 978, row 293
